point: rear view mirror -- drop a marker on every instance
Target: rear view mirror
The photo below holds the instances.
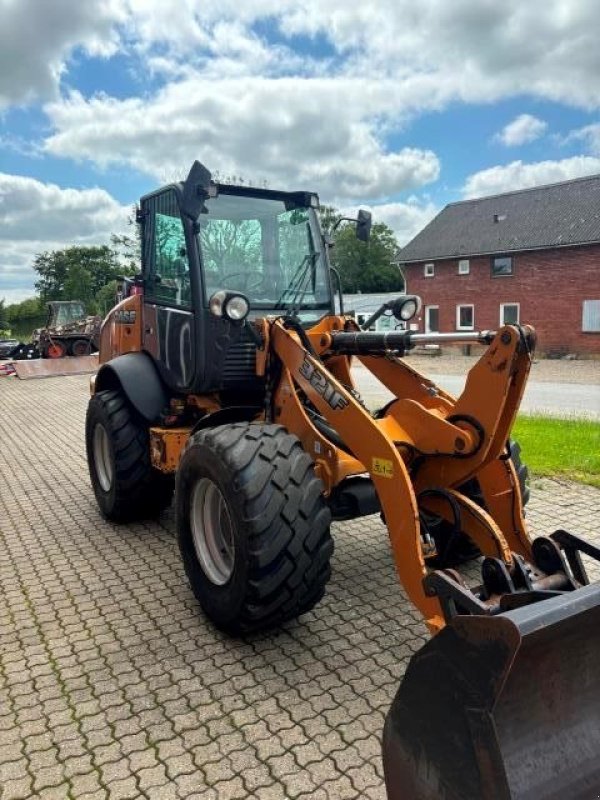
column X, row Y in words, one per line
column 196, row 188
column 363, row 225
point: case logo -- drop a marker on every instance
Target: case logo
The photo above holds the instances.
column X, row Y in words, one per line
column 123, row 317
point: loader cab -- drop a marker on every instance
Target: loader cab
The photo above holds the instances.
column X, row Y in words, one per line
column 201, row 238
column 64, row 312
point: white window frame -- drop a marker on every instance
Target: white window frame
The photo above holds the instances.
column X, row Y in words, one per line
column 590, row 311
column 460, row 327
column 464, row 266
column 429, row 270
column 503, row 306
column 427, row 328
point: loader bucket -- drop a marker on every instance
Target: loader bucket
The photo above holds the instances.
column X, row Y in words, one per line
column 502, row 707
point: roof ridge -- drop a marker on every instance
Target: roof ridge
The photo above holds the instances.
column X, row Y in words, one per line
column 584, row 178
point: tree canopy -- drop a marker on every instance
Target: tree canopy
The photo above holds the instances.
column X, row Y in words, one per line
column 4, row 321
column 27, row 309
column 363, row 267
column 76, row 272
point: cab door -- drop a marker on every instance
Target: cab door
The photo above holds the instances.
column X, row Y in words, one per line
column 169, row 326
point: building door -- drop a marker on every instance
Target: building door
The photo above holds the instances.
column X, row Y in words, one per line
column 432, row 319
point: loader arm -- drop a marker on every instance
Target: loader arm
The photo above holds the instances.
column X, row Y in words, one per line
column 443, row 442
column 502, row 703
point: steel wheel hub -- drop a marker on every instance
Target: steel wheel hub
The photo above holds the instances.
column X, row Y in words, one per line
column 103, row 458
column 212, row 531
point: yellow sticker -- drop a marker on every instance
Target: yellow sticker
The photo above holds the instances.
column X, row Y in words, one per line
column 383, row 467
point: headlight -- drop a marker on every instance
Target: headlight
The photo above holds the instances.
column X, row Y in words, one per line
column 408, row 310
column 407, row 307
column 216, row 303
column 236, row 308
column 231, row 305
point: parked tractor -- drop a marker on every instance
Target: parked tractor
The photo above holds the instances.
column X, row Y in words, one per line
column 228, row 377
column 69, row 331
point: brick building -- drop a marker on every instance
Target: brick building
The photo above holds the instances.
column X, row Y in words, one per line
column 530, row 256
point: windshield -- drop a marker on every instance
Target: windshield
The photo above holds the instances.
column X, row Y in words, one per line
column 270, row 253
column 65, row 313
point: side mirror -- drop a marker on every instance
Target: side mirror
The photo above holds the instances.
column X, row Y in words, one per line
column 196, row 188
column 363, row 225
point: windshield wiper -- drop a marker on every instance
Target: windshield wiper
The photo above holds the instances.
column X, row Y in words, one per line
column 298, row 285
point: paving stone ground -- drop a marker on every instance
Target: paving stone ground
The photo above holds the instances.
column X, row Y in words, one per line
column 113, row 684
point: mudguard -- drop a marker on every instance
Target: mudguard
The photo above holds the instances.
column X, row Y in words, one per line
column 137, row 376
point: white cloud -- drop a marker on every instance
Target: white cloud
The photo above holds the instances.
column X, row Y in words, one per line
column 517, row 175
column 292, row 132
column 589, row 135
column 405, row 219
column 469, row 51
column 36, row 216
column 37, row 39
column 523, row 129
column 434, row 51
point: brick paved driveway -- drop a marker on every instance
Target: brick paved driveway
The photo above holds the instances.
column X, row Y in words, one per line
column 112, row 683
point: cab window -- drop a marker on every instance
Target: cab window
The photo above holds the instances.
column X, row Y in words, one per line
column 167, row 269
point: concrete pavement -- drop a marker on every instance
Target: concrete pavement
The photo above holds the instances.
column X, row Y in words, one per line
column 113, row 684
column 555, row 398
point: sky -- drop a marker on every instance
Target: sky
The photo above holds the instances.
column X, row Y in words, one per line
column 392, row 105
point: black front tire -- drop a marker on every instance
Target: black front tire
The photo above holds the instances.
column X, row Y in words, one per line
column 126, row 485
column 276, row 519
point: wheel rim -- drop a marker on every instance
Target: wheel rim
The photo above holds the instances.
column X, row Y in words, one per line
column 80, row 348
column 56, row 351
column 103, row 458
column 212, row 531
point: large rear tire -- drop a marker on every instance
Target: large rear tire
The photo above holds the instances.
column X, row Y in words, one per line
column 118, row 452
column 252, row 526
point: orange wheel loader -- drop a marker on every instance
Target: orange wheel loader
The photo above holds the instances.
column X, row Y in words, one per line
column 226, row 377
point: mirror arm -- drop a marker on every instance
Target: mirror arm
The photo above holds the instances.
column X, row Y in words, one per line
column 374, row 317
column 338, row 279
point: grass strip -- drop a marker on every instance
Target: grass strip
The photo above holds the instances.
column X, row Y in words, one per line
column 566, row 448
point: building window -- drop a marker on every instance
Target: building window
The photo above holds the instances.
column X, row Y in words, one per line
column 465, row 318
column 591, row 316
column 429, row 270
column 362, row 318
column 509, row 314
column 464, row 266
column 501, row 266
column 432, row 319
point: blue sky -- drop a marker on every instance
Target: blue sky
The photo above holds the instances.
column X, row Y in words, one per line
column 395, row 106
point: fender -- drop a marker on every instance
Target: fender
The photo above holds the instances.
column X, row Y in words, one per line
column 137, row 376
column 228, row 416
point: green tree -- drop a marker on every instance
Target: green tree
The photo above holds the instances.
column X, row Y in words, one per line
column 363, row 267
column 329, row 217
column 4, row 321
column 106, row 298
column 77, row 273
column 27, row 309
column 128, row 247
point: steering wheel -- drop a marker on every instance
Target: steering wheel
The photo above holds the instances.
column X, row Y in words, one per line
column 253, row 279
